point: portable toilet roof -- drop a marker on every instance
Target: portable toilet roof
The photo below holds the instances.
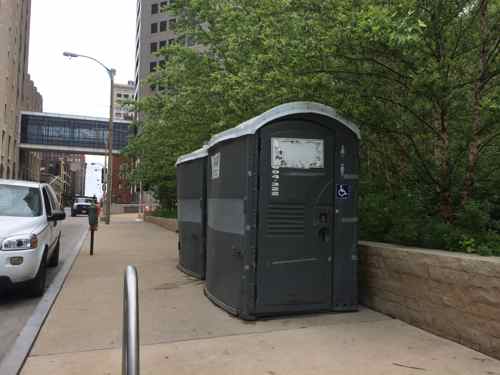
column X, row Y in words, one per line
column 197, row 154
column 253, row 125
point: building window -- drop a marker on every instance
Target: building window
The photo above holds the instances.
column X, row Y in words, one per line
column 163, row 26
column 125, row 96
column 172, row 2
column 152, row 66
column 163, row 43
column 154, row 9
column 171, row 41
column 154, row 28
column 154, row 47
column 119, row 95
column 172, row 23
column 163, row 4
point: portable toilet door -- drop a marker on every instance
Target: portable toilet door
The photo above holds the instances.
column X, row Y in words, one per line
column 298, row 241
column 296, row 204
column 191, row 212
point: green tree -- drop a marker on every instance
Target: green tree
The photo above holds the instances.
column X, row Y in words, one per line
column 419, row 76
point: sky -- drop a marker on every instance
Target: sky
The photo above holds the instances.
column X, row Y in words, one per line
column 103, row 29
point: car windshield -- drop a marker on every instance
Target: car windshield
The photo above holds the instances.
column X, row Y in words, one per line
column 20, row 201
column 84, row 200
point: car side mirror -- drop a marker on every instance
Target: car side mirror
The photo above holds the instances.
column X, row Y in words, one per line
column 57, row 215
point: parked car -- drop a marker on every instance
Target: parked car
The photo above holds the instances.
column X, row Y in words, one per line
column 81, row 206
column 30, row 234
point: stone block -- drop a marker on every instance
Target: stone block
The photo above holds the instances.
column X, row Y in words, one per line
column 489, row 267
column 483, row 311
column 486, row 282
column 495, row 348
column 448, row 276
column 487, row 296
column 493, row 328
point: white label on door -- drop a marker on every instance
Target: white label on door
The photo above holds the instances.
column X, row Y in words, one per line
column 215, row 161
column 297, row 153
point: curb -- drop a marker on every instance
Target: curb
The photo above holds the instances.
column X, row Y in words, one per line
column 14, row 360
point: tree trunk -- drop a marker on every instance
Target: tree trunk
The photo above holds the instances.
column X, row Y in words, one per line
column 445, row 198
column 473, row 150
column 475, row 142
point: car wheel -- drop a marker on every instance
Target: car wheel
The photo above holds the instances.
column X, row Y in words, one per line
column 36, row 287
column 54, row 258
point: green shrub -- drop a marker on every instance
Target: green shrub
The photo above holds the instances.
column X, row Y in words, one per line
column 484, row 250
column 473, row 218
column 165, row 213
column 468, row 245
column 375, row 217
column 437, row 234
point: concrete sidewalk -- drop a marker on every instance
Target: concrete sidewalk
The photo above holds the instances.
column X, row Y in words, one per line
column 183, row 333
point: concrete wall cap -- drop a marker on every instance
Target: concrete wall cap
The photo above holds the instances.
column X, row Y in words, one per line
column 436, row 252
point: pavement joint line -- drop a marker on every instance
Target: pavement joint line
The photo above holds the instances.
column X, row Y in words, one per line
column 204, row 338
column 14, row 360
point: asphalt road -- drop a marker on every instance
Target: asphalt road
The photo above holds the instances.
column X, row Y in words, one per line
column 16, row 309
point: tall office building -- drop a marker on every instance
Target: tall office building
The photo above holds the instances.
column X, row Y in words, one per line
column 123, row 93
column 17, row 90
column 155, row 30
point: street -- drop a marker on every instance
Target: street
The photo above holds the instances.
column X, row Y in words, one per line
column 15, row 308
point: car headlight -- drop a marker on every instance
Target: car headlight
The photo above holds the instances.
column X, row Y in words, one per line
column 22, row 242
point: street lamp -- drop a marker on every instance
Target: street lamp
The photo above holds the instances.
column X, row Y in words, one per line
column 111, row 73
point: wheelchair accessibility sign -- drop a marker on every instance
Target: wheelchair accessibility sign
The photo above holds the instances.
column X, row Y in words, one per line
column 343, row 191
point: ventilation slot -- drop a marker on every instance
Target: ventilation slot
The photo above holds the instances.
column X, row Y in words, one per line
column 285, row 220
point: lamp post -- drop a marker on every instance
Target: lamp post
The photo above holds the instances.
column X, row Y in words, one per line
column 111, row 73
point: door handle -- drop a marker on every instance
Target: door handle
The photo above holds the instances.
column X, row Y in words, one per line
column 236, row 252
column 324, row 235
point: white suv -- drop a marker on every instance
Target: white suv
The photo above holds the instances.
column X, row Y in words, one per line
column 30, row 233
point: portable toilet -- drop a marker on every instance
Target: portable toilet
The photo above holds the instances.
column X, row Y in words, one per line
column 282, row 205
column 191, row 212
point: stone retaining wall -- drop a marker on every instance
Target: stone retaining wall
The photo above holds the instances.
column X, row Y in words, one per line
column 169, row 224
column 456, row 296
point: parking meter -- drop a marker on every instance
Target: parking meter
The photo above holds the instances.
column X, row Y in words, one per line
column 93, row 225
column 93, row 215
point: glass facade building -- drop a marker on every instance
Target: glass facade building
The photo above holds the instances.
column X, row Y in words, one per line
column 43, row 129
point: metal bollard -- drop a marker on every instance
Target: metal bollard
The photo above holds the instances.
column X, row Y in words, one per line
column 130, row 344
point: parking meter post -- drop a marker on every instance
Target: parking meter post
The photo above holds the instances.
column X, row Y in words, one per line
column 93, row 225
column 92, row 241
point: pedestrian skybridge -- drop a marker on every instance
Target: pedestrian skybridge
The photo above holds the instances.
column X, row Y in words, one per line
column 73, row 134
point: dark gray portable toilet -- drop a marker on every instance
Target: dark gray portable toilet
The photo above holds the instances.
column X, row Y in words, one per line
column 191, row 212
column 282, row 203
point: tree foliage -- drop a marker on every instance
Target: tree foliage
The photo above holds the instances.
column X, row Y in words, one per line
column 420, row 77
